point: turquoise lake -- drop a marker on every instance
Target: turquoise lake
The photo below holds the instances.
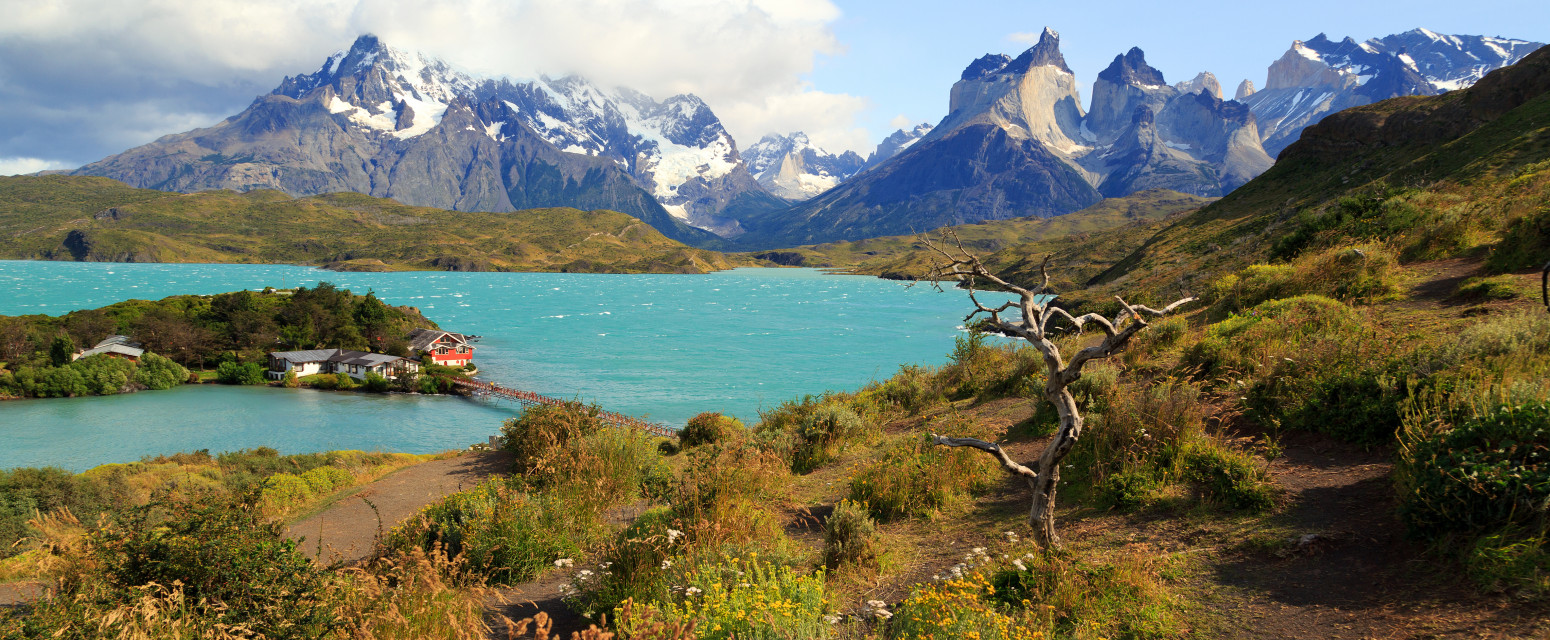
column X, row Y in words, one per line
column 664, row 347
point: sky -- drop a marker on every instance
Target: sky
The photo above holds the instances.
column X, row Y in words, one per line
column 84, row 79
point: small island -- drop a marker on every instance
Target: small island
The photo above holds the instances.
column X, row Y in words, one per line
column 323, row 337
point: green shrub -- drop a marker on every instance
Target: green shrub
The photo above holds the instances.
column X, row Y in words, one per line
column 913, row 389
column 915, row 479
column 376, row 383
column 824, row 433
column 290, row 381
column 1229, row 477
column 1511, row 560
column 1525, row 245
column 708, row 428
column 500, row 531
column 230, row 372
column 156, row 372
column 343, row 381
column 850, row 537
column 1128, row 489
column 1485, row 474
column 233, row 566
column 1243, row 343
column 61, row 350
column 1352, row 404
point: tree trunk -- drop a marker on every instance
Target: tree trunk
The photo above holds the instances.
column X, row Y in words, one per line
column 1042, row 516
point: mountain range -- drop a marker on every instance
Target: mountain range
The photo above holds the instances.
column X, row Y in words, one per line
column 1016, row 142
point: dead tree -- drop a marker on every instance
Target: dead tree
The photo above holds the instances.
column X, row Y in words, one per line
column 959, row 265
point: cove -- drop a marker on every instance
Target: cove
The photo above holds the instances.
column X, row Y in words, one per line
column 664, row 347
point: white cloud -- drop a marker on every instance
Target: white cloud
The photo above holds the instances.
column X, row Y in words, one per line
column 1029, row 38
column 746, row 58
column 19, row 166
column 901, row 121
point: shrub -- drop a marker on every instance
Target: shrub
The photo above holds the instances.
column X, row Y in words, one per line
column 499, row 531
column 725, row 492
column 231, row 372
column 850, row 537
column 232, row 565
column 913, row 389
column 156, row 372
column 709, row 427
column 958, row 608
column 1229, row 477
column 61, row 350
column 343, row 381
column 824, row 433
column 539, row 434
column 1511, row 559
column 917, row 480
column 1486, row 473
column 1243, row 343
column 376, row 383
column 1355, row 405
column 290, row 381
column 1127, row 489
column 1062, row 596
column 1526, row 244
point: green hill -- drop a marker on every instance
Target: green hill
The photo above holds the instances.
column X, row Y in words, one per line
column 1098, row 235
column 98, row 219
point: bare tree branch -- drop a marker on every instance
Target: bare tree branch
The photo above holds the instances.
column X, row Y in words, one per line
column 989, row 447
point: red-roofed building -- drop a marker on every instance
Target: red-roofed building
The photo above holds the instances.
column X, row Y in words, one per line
column 444, row 347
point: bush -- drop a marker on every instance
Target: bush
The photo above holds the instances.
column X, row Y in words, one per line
column 1128, row 489
column 156, row 372
column 343, row 381
column 1512, row 559
column 1243, row 343
column 500, row 531
column 376, row 383
column 915, row 479
column 1525, row 245
column 537, row 436
column 850, row 537
column 230, row 372
column 1355, row 405
column 232, row 565
column 290, row 381
column 708, row 428
column 1229, row 477
column 1485, row 474
column 824, row 433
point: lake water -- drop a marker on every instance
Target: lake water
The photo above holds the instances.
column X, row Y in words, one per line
column 664, row 347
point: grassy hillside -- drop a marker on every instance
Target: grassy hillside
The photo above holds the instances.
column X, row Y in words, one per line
column 98, row 219
column 1086, row 235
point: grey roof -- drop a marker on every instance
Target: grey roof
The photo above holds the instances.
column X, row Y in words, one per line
column 121, row 340
column 310, row 355
column 336, row 355
column 365, row 359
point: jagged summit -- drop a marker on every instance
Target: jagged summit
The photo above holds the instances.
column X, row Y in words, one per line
column 1203, row 81
column 1045, row 53
column 1131, row 68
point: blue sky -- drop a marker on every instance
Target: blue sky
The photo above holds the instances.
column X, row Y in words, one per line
column 83, row 79
column 904, row 55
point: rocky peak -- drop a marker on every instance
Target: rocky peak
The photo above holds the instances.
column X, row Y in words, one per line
column 1204, row 81
column 897, row 142
column 1245, row 89
column 1045, row 53
column 989, row 65
column 1131, row 68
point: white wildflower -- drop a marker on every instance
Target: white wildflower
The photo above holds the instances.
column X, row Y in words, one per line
column 667, row 563
column 673, row 534
column 564, row 562
column 692, row 591
column 831, row 619
column 877, row 604
column 1019, row 564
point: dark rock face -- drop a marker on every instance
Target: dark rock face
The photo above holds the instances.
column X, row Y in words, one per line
column 1131, row 68
column 976, row 173
column 1045, row 53
column 985, row 67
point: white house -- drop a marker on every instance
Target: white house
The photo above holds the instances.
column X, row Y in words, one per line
column 355, row 364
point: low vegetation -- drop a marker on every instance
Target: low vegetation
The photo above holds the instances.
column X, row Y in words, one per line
column 99, row 219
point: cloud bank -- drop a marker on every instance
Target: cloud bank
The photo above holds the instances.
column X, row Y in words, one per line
column 82, row 79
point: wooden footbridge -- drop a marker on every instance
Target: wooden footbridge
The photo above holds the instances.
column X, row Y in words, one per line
column 527, row 398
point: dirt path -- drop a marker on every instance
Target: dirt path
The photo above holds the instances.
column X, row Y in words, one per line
column 347, row 531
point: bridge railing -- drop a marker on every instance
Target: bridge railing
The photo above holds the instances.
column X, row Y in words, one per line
column 528, row 397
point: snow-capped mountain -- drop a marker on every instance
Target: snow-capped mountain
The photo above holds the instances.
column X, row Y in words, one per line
column 1017, row 143
column 1453, row 61
column 793, row 168
column 1317, row 77
column 379, row 120
column 895, row 143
